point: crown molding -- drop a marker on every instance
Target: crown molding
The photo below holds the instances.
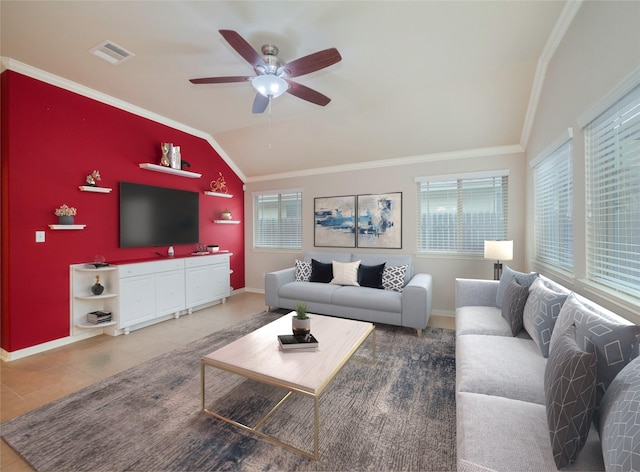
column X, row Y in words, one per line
column 401, row 161
column 557, row 34
column 66, row 84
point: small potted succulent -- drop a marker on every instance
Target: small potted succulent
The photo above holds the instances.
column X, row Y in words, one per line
column 301, row 323
column 65, row 214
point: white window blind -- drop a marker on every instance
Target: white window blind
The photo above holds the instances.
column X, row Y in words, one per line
column 277, row 220
column 613, row 196
column 553, row 188
column 456, row 215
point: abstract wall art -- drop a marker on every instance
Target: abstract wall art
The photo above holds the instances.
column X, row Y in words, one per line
column 380, row 221
column 334, row 221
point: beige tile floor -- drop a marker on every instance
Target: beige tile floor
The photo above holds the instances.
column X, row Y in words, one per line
column 42, row 378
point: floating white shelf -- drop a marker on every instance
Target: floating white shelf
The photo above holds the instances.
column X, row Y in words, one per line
column 95, row 297
column 96, row 269
column 170, row 170
column 90, row 188
column 227, row 222
column 67, row 226
column 218, row 194
column 93, row 326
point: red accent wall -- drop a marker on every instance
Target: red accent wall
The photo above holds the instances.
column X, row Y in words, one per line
column 51, row 140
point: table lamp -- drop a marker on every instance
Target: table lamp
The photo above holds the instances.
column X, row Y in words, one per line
column 499, row 251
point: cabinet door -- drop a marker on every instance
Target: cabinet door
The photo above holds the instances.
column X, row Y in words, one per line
column 198, row 286
column 137, row 300
column 169, row 292
column 220, row 281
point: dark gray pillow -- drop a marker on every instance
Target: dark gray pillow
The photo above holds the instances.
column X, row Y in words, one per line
column 321, row 272
column 569, row 387
column 507, row 274
column 540, row 314
column 371, row 275
column 620, row 420
column 515, row 297
column 612, row 338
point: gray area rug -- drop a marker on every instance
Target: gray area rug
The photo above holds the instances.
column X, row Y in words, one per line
column 398, row 414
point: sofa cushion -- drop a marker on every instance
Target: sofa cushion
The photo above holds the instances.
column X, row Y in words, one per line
column 507, row 274
column 481, row 320
column 393, row 277
column 321, row 272
column 308, row 291
column 368, row 299
column 371, row 275
column 620, row 420
column 345, row 273
column 540, row 314
column 303, row 270
column 515, row 297
column 569, row 384
column 498, row 365
column 611, row 337
column 504, row 434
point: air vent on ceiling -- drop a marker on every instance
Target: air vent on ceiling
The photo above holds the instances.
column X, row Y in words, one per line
column 110, row 52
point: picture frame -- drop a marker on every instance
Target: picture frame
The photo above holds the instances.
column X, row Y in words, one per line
column 334, row 221
column 379, row 222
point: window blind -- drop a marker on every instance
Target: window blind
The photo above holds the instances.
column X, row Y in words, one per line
column 613, row 196
column 553, row 188
column 277, row 220
column 457, row 215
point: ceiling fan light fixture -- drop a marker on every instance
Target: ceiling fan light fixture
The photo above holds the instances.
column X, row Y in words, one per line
column 269, row 85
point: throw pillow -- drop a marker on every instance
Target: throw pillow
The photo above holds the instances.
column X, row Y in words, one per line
column 540, row 314
column 599, row 331
column 321, row 272
column 393, row 277
column 620, row 419
column 507, row 274
column 303, row 270
column 569, row 386
column 515, row 297
column 371, row 276
column 345, row 273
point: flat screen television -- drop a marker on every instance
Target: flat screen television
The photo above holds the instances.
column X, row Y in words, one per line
column 158, row 216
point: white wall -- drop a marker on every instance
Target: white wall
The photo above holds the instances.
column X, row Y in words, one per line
column 599, row 50
column 399, row 178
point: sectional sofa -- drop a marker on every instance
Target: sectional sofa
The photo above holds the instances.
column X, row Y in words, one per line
column 566, row 363
column 403, row 298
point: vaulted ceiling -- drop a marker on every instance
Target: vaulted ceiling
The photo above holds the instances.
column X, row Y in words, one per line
column 416, row 77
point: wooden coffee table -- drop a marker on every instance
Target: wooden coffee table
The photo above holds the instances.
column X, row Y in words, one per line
column 257, row 356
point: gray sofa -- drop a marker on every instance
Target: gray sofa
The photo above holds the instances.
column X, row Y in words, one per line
column 410, row 308
column 500, row 382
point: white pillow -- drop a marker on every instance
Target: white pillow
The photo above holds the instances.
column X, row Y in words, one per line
column 345, row 273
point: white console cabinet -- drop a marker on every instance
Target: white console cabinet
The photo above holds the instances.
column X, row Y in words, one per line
column 83, row 301
column 207, row 281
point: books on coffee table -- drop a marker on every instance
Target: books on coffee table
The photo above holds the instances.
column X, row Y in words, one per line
column 305, row 341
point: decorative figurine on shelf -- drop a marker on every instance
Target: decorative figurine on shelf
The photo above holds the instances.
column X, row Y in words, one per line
column 219, row 185
column 175, row 158
column 226, row 215
column 93, row 177
column 66, row 214
column 166, row 148
column 97, row 289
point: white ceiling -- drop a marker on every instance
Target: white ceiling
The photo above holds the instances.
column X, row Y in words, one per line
column 416, row 77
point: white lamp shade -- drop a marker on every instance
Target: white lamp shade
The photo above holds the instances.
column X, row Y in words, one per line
column 498, row 250
column 269, row 85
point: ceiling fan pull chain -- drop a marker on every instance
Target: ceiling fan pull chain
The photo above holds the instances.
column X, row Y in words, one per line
column 269, row 148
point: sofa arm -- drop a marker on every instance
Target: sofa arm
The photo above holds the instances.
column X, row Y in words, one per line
column 416, row 301
column 476, row 292
column 272, row 283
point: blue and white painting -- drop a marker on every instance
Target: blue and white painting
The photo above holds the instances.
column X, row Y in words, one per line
column 334, row 221
column 380, row 220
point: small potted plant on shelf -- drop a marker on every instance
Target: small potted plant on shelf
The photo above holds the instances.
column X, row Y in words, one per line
column 301, row 323
column 65, row 214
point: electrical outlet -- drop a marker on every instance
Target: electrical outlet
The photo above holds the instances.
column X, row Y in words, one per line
column 39, row 236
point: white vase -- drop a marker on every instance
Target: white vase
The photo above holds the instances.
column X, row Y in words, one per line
column 301, row 327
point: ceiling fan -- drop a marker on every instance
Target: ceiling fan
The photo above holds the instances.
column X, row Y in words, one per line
column 272, row 77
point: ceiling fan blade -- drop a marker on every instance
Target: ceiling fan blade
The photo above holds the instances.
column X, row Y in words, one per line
column 243, row 48
column 312, row 62
column 305, row 93
column 220, row 80
column 260, row 103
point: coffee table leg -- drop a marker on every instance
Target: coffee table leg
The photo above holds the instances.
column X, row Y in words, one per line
column 316, row 428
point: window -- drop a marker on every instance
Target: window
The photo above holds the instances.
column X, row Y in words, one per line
column 277, row 220
column 613, row 196
column 456, row 214
column 553, row 197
